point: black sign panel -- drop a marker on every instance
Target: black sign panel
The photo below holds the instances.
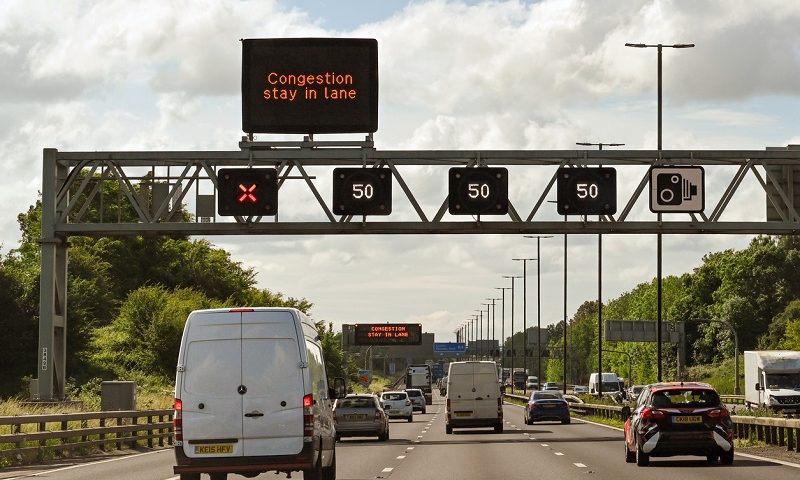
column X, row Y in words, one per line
column 309, row 85
column 247, row 191
column 362, row 191
column 388, row 333
column 586, row 191
column 478, row 191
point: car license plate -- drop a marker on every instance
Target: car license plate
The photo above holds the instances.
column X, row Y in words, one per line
column 394, row 412
column 463, row 414
column 355, row 417
column 549, row 405
column 687, row 419
column 213, row 449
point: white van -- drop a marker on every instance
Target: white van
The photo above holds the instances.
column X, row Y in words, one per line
column 473, row 396
column 611, row 383
column 251, row 396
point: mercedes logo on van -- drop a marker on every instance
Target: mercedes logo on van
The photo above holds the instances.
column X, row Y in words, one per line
column 241, row 389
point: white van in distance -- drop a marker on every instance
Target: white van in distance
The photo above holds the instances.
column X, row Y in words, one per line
column 251, row 396
column 473, row 396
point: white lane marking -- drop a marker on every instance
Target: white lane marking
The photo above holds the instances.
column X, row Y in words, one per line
column 387, row 470
column 579, row 465
column 400, row 457
column 765, row 459
column 545, row 445
column 72, row 467
column 419, row 436
column 409, row 448
column 559, row 453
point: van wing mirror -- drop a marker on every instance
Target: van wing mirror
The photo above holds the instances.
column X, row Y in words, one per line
column 758, row 386
column 339, row 389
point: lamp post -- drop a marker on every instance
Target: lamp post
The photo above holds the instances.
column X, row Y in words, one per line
column 600, row 279
column 503, row 329
column 494, row 318
column 486, row 344
column 525, row 317
column 659, row 46
column 539, row 303
column 479, row 337
column 512, row 277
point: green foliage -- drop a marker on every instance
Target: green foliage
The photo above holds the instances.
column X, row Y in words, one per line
column 337, row 362
column 146, row 334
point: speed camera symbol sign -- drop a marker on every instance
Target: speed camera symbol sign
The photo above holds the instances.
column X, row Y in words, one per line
column 677, row 189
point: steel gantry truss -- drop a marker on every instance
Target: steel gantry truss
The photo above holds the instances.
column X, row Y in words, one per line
column 73, row 184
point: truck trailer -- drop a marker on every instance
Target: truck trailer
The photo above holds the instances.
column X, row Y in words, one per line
column 772, row 379
column 419, row 376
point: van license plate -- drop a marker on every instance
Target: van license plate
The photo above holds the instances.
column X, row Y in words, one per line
column 213, row 449
column 687, row 419
column 463, row 414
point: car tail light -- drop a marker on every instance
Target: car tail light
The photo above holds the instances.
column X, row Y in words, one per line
column 408, row 402
column 719, row 413
column 308, row 418
column 177, row 420
column 653, row 415
column 377, row 415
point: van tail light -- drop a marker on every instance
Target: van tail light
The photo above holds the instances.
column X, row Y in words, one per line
column 499, row 407
column 308, row 418
column 177, row 420
column 651, row 415
column 719, row 413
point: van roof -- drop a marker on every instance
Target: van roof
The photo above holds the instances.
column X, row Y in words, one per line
column 248, row 309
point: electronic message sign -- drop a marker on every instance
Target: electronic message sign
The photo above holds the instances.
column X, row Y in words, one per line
column 309, row 85
column 388, row 334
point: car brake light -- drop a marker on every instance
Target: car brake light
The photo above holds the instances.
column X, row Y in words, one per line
column 653, row 415
column 377, row 415
column 719, row 413
column 177, row 420
column 408, row 402
column 308, row 418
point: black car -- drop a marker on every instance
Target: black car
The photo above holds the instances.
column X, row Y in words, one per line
column 546, row 406
column 679, row 419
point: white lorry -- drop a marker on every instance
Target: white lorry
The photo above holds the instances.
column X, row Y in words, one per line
column 419, row 376
column 772, row 379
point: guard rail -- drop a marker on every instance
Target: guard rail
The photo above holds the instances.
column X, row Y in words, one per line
column 29, row 435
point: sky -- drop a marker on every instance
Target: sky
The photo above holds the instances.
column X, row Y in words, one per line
column 154, row 75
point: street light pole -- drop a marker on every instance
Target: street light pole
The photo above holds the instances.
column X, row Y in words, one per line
column 600, row 283
column 658, row 242
column 539, row 304
column 503, row 329
column 525, row 317
column 513, row 353
column 494, row 330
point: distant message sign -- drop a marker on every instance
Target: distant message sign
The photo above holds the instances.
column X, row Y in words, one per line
column 388, row 334
column 309, row 85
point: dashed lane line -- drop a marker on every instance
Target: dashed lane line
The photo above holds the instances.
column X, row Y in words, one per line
column 579, row 465
column 559, row 454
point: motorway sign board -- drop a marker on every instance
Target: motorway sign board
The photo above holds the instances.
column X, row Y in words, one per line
column 387, row 334
column 586, row 191
column 677, row 189
column 449, row 347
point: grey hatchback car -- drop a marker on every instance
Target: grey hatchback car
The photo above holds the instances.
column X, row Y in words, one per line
column 360, row 416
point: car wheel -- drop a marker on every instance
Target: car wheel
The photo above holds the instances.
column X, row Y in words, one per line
column 338, row 437
column 498, row 428
column 411, row 418
column 565, row 421
column 190, row 476
column 424, row 411
column 448, row 429
column 642, row 459
column 329, row 473
column 218, row 476
column 630, row 457
column 712, row 458
column 726, row 458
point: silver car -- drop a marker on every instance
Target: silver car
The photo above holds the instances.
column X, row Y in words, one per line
column 397, row 404
column 360, row 416
column 417, row 399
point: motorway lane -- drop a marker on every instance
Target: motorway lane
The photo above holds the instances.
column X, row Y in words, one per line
column 422, row 450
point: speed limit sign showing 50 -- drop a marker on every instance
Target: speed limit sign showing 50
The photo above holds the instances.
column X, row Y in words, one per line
column 478, row 191
column 586, row 191
column 362, row 191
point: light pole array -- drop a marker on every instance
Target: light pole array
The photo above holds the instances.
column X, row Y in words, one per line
column 512, row 277
column 659, row 46
column 494, row 318
column 503, row 328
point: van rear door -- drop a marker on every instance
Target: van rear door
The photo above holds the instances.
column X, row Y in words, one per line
column 273, row 404
column 486, row 390
column 212, row 408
